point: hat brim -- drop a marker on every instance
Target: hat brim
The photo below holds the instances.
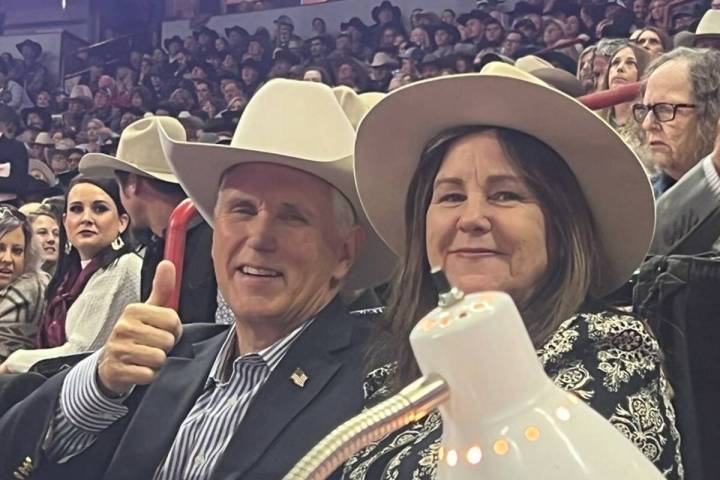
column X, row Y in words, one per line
column 608, row 172
column 104, row 166
column 374, row 265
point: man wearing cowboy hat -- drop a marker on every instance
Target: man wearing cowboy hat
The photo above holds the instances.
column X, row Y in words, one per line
column 230, row 402
column 150, row 191
column 31, row 71
column 707, row 34
column 80, row 101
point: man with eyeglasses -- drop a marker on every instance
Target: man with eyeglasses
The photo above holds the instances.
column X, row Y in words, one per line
column 679, row 115
column 679, row 112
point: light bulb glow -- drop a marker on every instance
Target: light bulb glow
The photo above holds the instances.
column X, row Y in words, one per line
column 441, row 454
column 474, row 455
column 573, row 399
column 452, row 458
column 532, row 434
column 563, row 414
column 501, row 447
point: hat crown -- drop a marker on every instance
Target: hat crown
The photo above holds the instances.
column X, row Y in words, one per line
column 277, row 120
column 140, row 143
column 709, row 24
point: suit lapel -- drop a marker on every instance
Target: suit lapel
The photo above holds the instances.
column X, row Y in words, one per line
column 280, row 400
column 162, row 409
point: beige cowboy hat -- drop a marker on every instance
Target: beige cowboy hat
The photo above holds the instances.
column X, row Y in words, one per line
column 139, row 151
column 610, row 175
column 356, row 106
column 709, row 25
column 555, row 77
column 296, row 124
column 43, row 138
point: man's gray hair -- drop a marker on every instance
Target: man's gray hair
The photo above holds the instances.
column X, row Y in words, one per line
column 704, row 71
column 607, row 47
column 345, row 217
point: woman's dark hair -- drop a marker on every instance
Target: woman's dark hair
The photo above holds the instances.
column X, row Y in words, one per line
column 570, row 237
column 71, row 258
column 325, row 75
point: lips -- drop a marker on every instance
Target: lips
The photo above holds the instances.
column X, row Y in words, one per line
column 474, row 252
column 259, row 272
column 49, row 249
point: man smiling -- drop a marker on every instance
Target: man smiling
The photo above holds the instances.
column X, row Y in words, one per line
column 246, row 402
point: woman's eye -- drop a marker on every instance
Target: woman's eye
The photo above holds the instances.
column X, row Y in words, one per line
column 76, row 209
column 451, row 198
column 18, row 251
column 506, row 196
column 101, row 209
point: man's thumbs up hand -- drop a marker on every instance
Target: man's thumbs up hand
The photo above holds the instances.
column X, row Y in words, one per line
column 141, row 338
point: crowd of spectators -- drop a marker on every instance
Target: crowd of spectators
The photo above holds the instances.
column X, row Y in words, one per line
column 207, row 78
column 87, row 189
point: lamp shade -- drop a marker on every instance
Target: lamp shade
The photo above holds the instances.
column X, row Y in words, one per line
column 505, row 419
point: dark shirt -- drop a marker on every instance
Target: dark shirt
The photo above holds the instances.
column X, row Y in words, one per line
column 198, row 292
column 661, row 183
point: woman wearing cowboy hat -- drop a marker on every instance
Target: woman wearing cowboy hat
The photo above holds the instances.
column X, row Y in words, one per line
column 520, row 204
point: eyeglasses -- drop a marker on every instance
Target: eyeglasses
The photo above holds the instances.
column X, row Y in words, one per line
column 663, row 112
column 6, row 210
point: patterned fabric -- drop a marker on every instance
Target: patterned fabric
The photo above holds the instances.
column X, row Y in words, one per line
column 21, row 307
column 607, row 359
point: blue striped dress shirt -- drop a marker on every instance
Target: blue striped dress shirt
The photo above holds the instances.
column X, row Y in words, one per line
column 84, row 412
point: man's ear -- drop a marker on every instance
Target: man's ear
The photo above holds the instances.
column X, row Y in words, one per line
column 349, row 251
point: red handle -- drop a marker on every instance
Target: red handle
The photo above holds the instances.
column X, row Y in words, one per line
column 608, row 98
column 175, row 243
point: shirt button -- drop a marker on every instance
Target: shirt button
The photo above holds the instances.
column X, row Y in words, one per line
column 200, row 459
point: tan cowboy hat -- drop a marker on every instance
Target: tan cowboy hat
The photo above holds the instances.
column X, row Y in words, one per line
column 608, row 172
column 296, row 124
column 139, row 151
column 709, row 25
column 556, row 77
column 356, row 106
column 43, row 138
column 83, row 94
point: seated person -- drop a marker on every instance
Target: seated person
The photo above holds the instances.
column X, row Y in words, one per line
column 94, row 282
column 166, row 400
column 22, row 283
column 505, row 202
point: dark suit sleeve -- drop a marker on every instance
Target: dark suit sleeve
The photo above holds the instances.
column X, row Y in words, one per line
column 24, row 427
column 688, row 217
column 14, row 153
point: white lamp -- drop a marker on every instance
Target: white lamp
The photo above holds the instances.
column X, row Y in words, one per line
column 505, row 419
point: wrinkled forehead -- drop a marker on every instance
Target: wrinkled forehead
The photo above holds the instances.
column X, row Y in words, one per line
column 271, row 180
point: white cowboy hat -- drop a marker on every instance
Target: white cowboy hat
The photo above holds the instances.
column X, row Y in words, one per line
column 296, row 124
column 139, row 151
column 709, row 25
column 555, row 77
column 393, row 135
column 356, row 106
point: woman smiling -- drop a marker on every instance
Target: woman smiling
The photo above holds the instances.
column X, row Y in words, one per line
column 22, row 284
column 519, row 204
column 94, row 281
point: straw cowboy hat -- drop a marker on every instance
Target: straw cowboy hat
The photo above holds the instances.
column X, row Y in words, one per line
column 43, row 138
column 617, row 191
column 556, row 77
column 276, row 128
column 40, row 170
column 138, row 152
column 709, row 25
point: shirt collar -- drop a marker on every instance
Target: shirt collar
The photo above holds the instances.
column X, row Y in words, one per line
column 224, row 364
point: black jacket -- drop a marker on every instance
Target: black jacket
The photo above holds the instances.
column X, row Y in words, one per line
column 282, row 423
column 13, row 154
column 198, row 294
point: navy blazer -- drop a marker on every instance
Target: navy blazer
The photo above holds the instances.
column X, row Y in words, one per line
column 688, row 216
column 282, row 423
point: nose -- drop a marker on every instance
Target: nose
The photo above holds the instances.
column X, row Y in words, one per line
column 650, row 122
column 87, row 216
column 5, row 256
column 473, row 217
column 261, row 235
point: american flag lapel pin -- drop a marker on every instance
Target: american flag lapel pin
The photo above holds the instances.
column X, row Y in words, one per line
column 299, row 377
